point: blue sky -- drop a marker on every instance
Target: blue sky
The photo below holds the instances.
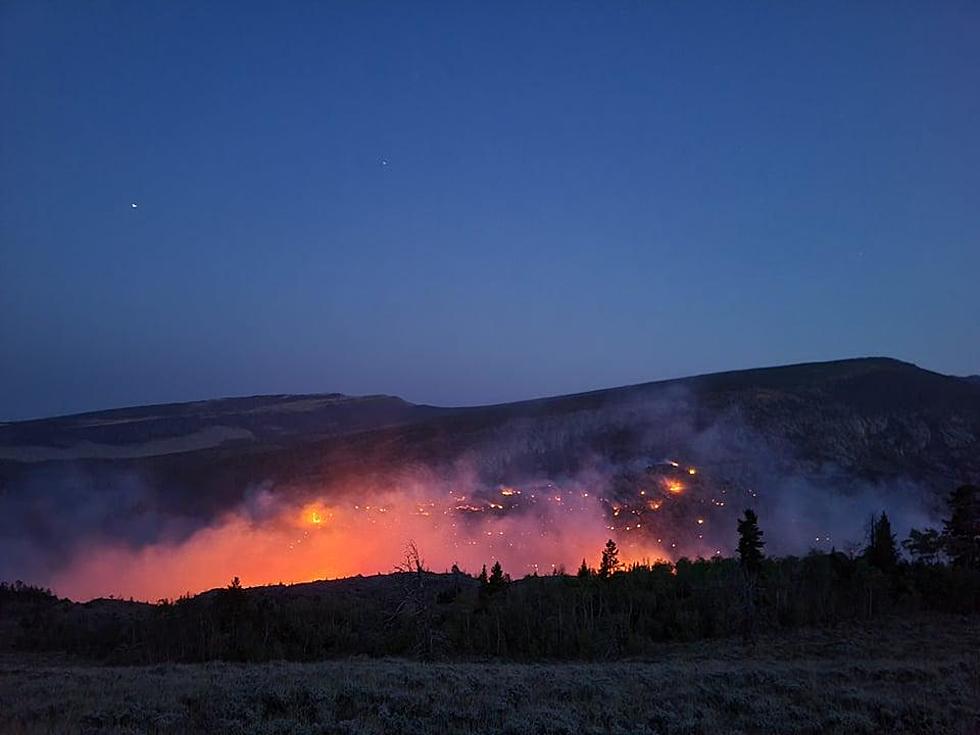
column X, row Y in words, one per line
column 478, row 202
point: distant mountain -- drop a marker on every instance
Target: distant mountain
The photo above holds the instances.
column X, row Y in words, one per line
column 871, row 418
column 180, row 427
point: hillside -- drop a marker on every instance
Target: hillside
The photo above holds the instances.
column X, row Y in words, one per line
column 874, row 417
column 665, row 466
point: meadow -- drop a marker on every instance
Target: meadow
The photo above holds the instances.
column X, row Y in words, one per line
column 909, row 675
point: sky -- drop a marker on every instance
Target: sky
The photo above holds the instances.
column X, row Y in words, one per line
column 464, row 203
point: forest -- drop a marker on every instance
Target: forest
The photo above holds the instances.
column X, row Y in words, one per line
column 604, row 613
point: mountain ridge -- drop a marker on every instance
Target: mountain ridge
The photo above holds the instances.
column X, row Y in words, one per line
column 868, row 417
column 257, row 403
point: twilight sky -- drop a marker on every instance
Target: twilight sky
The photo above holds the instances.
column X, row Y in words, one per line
column 476, row 202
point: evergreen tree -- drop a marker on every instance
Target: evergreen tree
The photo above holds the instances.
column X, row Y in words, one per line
column 496, row 574
column 962, row 529
column 483, row 576
column 924, row 546
column 583, row 571
column 231, row 610
column 750, row 541
column 498, row 580
column 610, row 563
column 882, row 551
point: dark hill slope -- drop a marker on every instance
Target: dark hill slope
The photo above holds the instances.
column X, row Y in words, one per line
column 282, row 418
column 868, row 419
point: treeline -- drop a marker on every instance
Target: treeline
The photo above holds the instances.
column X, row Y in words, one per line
column 597, row 613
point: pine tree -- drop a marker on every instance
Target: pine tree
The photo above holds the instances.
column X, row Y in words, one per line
column 610, row 563
column 962, row 529
column 882, row 551
column 484, row 580
column 583, row 571
column 750, row 541
column 498, row 580
column 496, row 574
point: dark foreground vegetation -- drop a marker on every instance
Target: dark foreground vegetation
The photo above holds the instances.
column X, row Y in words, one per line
column 594, row 615
column 915, row 676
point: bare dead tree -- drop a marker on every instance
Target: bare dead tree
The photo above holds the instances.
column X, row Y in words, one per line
column 413, row 562
column 415, row 602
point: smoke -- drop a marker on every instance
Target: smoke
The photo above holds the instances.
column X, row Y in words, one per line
column 54, row 514
column 807, row 513
column 298, row 540
column 538, row 493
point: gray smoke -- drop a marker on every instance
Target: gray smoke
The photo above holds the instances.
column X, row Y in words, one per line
column 54, row 514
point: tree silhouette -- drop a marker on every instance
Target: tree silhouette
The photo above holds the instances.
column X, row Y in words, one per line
column 750, row 556
column 583, row 571
column 610, row 563
column 882, row 551
column 231, row 610
column 750, row 541
column 924, row 546
column 498, row 579
column 962, row 529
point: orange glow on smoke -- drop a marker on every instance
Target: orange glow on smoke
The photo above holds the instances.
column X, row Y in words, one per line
column 313, row 540
column 365, row 532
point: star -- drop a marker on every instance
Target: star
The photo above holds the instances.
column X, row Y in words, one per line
column 134, row 205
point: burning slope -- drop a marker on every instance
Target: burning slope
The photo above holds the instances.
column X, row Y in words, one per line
column 663, row 512
column 326, row 490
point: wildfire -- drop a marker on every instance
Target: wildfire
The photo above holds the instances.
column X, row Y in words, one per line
column 363, row 532
column 314, row 514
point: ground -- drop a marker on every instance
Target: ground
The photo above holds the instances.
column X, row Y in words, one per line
column 920, row 676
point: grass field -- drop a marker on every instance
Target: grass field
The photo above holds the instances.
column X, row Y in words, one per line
column 900, row 677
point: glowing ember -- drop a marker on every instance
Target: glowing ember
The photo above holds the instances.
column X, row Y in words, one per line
column 313, row 514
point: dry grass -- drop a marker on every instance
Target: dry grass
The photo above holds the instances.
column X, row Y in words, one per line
column 911, row 677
